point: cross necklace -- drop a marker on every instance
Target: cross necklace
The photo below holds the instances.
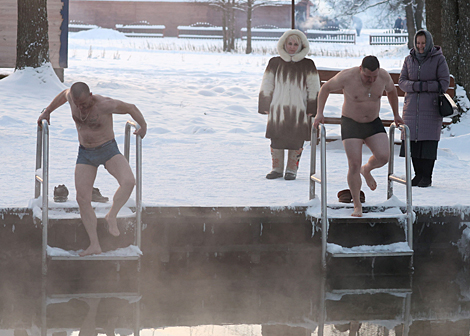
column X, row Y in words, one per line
column 368, row 93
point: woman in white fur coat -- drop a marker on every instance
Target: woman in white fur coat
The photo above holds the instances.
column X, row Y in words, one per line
column 289, row 97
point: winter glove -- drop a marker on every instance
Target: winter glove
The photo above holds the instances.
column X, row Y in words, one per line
column 420, row 86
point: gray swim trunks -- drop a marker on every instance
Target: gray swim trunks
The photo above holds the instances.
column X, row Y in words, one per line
column 97, row 156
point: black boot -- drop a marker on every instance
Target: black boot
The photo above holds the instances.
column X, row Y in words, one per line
column 417, row 166
column 428, row 167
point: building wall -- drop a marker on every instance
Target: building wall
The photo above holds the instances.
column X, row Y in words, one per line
column 107, row 14
column 8, row 30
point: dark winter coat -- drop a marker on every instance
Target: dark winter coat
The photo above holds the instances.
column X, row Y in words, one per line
column 420, row 82
column 289, row 92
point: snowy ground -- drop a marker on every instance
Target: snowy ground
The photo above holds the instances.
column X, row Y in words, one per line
column 205, row 144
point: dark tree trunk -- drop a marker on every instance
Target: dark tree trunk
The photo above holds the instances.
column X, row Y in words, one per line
column 249, row 14
column 232, row 25
column 464, row 46
column 434, row 19
column 224, row 27
column 410, row 22
column 450, row 34
column 32, row 46
column 419, row 14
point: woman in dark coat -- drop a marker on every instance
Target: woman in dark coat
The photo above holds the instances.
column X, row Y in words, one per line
column 424, row 74
column 288, row 96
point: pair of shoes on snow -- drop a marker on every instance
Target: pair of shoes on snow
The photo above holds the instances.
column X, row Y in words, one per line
column 344, row 196
column 274, row 175
column 97, row 197
column 61, row 193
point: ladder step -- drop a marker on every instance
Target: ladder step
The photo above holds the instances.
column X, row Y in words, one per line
column 131, row 252
column 64, row 298
column 343, row 215
column 74, row 213
column 390, row 250
column 338, row 293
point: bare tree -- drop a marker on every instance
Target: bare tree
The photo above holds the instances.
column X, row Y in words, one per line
column 413, row 8
column 32, row 46
column 227, row 8
column 447, row 21
column 249, row 6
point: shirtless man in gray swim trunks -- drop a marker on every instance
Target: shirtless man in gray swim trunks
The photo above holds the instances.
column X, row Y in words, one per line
column 362, row 87
column 93, row 116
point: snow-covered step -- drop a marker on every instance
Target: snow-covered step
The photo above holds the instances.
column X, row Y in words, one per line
column 337, row 294
column 64, row 298
column 131, row 252
column 390, row 250
column 386, row 215
column 69, row 210
column 67, row 213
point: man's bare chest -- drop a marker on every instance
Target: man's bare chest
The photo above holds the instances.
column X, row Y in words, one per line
column 91, row 119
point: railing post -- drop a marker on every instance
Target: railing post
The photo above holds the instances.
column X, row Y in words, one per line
column 407, row 181
column 45, row 192
column 391, row 160
column 409, row 195
column 324, row 214
column 138, row 173
column 37, row 184
column 138, row 190
column 313, row 161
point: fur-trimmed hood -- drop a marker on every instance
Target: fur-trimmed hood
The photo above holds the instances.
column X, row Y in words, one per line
column 303, row 51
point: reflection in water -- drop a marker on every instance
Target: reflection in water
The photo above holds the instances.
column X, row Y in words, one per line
column 219, row 294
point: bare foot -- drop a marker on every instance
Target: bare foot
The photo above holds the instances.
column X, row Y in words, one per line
column 369, row 179
column 357, row 212
column 91, row 250
column 112, row 225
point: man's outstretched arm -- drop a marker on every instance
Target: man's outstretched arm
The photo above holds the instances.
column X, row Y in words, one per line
column 134, row 112
column 58, row 101
column 332, row 85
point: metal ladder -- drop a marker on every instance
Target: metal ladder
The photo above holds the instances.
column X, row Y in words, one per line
column 322, row 180
column 42, row 178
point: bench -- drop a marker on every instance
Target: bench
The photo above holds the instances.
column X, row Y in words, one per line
column 77, row 26
column 331, row 36
column 141, row 29
column 389, row 37
column 326, row 74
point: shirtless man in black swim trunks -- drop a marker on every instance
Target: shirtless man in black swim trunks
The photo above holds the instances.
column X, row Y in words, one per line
column 93, row 116
column 362, row 87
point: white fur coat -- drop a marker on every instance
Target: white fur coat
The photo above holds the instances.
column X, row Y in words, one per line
column 289, row 92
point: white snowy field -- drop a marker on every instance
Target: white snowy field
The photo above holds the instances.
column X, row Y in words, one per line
column 205, row 144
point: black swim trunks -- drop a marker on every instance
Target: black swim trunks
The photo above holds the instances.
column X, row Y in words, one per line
column 97, row 155
column 353, row 129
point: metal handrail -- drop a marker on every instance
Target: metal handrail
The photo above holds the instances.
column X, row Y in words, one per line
column 138, row 173
column 42, row 161
column 407, row 181
column 322, row 181
column 42, row 177
column 391, row 178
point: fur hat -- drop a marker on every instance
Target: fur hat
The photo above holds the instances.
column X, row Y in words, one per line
column 303, row 50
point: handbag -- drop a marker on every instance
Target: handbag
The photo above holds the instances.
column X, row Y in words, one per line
column 447, row 106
